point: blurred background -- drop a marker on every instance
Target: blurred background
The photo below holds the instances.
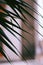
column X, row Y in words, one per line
column 35, row 49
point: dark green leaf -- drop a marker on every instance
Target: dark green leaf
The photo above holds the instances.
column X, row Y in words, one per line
column 4, row 42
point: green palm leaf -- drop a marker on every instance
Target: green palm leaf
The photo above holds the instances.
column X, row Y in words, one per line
column 20, row 8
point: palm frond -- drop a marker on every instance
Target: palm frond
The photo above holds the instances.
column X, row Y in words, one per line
column 20, row 8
